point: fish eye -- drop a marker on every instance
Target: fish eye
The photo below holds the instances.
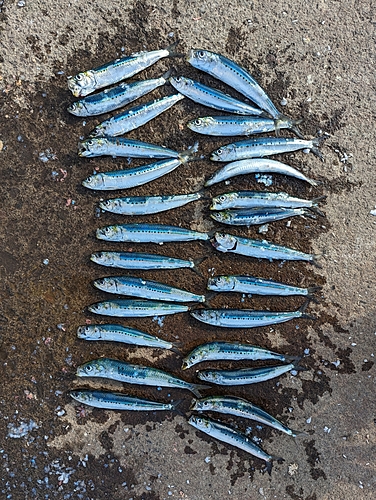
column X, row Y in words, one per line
column 201, row 54
column 206, row 403
column 89, row 142
column 198, row 121
column 79, row 77
column 178, row 79
column 219, row 151
column 89, row 368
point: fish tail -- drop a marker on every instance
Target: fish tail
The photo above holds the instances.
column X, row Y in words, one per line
column 284, row 121
column 196, row 388
column 175, row 405
column 298, row 367
column 298, row 433
column 172, row 50
column 313, row 289
column 317, row 142
column 311, row 212
column 315, row 262
column 209, row 297
column 302, row 310
column 313, row 182
column 294, row 127
column 317, row 200
column 196, row 263
column 190, row 153
column 269, row 464
column 176, row 347
column 167, row 75
column 292, row 359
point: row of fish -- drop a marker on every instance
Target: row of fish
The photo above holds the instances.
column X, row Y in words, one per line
column 239, row 208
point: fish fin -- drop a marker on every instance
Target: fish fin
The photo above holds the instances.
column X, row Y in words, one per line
column 313, row 289
column 167, row 75
column 203, row 194
column 311, row 212
column 192, row 405
column 317, row 200
column 196, row 388
column 299, row 433
column 269, row 464
column 294, row 128
column 172, row 50
column 317, row 142
column 175, row 406
column 176, row 347
column 196, row 263
column 314, row 260
column 302, row 310
column 209, row 297
column 316, row 211
column 293, row 359
column 313, row 182
column 190, row 153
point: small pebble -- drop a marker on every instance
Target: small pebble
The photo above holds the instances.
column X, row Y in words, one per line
column 283, row 102
column 46, row 262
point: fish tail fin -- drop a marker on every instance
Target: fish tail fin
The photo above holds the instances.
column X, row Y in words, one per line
column 269, row 464
column 209, row 297
column 315, row 259
column 313, row 289
column 172, row 52
column 203, row 194
column 292, row 359
column 317, row 142
column 302, row 310
column 312, row 212
column 167, row 75
column 313, row 182
column 190, row 154
column 317, row 200
column 196, row 263
column 299, row 433
column 294, row 128
column 196, row 388
column 284, row 121
column 176, row 347
column 175, row 405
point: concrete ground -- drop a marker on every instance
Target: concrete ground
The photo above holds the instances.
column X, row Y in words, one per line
column 319, row 59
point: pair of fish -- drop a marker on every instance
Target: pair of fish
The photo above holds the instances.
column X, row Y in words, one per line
column 257, row 216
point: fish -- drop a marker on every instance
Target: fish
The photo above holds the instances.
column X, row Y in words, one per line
column 233, row 437
column 256, row 165
column 245, row 376
column 135, row 117
column 211, row 97
column 231, row 351
column 115, row 71
column 129, row 308
column 120, row 146
column 116, row 97
column 135, row 374
column 118, row 401
column 259, row 147
column 257, row 199
column 125, row 335
column 247, row 318
column 254, row 216
column 148, row 233
column 144, row 205
column 259, row 249
column 235, row 76
column 257, row 286
column 146, row 289
column 241, row 125
column 138, row 260
column 231, row 405
column 132, row 177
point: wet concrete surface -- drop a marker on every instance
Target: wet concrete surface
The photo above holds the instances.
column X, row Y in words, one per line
column 51, row 447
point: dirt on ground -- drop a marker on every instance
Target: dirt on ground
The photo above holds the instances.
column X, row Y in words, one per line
column 316, row 63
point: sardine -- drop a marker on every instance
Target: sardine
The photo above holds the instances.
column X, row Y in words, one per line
column 145, row 205
column 254, row 216
column 257, row 199
column 234, row 75
column 245, row 375
column 231, row 405
column 124, row 334
column 259, row 249
column 214, row 351
column 115, row 71
column 253, row 166
column 256, row 286
column 118, row 401
column 259, row 147
column 134, row 374
column 233, row 437
column 124, row 179
column 129, row 308
column 120, row 146
column 222, row 126
column 117, row 97
column 148, row 233
column 135, row 117
column 138, row 260
column 211, row 97
column 247, row 318
column 146, row 289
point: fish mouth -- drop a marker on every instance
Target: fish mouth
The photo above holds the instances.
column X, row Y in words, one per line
column 190, row 55
column 82, row 149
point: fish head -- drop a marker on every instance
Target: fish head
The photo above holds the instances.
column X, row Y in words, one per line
column 223, row 216
column 224, row 153
column 208, row 376
column 200, row 423
column 196, row 356
column 200, row 124
column 224, row 242
column 94, row 368
column 88, row 332
column 221, row 283
column 205, row 404
column 202, row 59
column 221, row 201
column 82, row 84
column 180, row 82
column 80, row 396
column 92, row 147
column 95, row 181
column 107, row 233
column 99, row 131
column 106, row 284
column 77, row 108
column 100, row 257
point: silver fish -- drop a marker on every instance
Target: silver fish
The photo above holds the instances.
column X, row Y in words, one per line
column 234, row 75
column 138, row 260
column 264, row 146
column 118, row 401
column 116, row 97
column 115, row 71
column 124, row 179
column 148, row 233
column 129, row 308
column 245, row 375
column 254, row 216
column 233, row 437
column 231, row 405
column 257, row 199
column 213, row 351
column 144, row 205
column 126, row 335
column 146, row 289
column 256, row 165
column 211, row 97
column 134, row 374
column 247, row 318
column 259, row 249
column 256, row 286
column 119, row 146
column 241, row 125
column 135, row 117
